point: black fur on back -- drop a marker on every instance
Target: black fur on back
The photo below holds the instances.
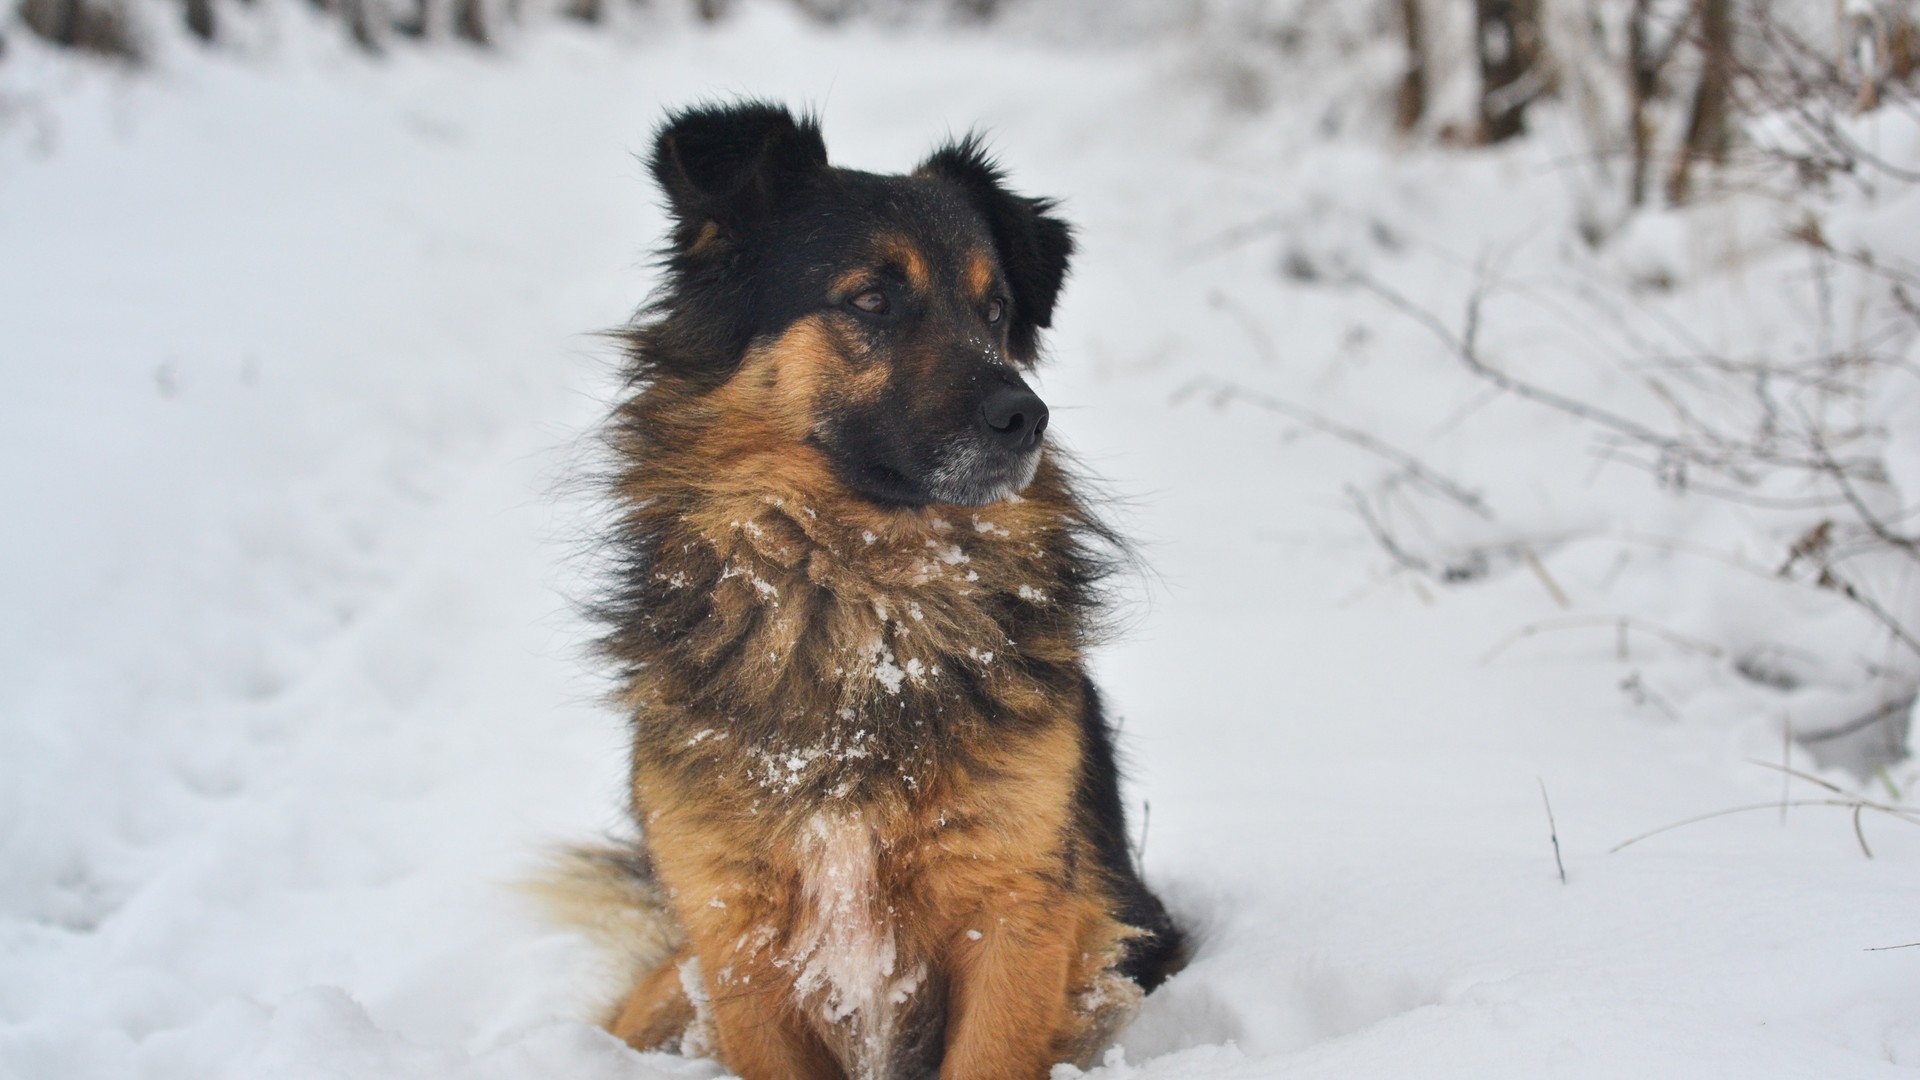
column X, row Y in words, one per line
column 1162, row 948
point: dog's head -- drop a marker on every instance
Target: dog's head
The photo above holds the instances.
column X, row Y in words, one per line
column 885, row 319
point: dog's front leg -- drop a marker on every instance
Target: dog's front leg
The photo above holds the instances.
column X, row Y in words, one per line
column 1008, row 985
column 733, row 895
column 757, row 1022
column 762, row 1039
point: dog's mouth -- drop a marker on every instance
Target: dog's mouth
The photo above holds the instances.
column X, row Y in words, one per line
column 972, row 472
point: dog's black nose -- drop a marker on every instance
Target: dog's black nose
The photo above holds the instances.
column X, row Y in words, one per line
column 1015, row 416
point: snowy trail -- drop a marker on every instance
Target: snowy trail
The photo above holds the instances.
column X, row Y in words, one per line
column 291, row 692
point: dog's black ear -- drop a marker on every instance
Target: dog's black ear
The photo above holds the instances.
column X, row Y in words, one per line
column 731, row 165
column 1034, row 246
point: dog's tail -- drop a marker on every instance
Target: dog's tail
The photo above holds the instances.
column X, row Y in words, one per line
column 610, row 893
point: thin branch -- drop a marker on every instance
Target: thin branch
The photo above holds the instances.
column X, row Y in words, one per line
column 1860, row 723
column 1795, row 774
column 1714, row 450
column 1553, row 831
column 1662, row 471
column 1858, row 805
column 1906, row 545
column 1732, row 457
column 1465, row 347
column 1140, row 848
column 1411, row 466
column 1619, row 623
column 1835, row 583
column 1250, row 326
column 1901, row 813
column 1384, row 538
column 1234, row 236
column 1665, row 52
column 1786, row 769
column 1554, row 591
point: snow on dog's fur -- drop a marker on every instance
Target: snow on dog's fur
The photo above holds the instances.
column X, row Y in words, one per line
column 880, row 819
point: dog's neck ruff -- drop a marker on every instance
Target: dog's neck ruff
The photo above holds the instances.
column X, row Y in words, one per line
column 771, row 620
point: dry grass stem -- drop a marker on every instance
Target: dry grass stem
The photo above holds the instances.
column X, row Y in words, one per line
column 1620, row 624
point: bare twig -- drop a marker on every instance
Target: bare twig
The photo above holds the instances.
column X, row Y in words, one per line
column 1412, row 467
column 1250, row 326
column 1834, row 582
column 1856, row 804
column 1906, row 545
column 1385, row 539
column 1786, row 774
column 1711, row 450
column 1801, row 450
column 1236, row 235
column 1795, row 774
column 1880, row 715
column 1643, row 694
column 1553, row 831
column 1140, row 848
column 1559, row 595
column 1899, row 813
column 1620, row 624
column 1465, row 347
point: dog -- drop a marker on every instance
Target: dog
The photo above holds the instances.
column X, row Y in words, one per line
column 880, row 820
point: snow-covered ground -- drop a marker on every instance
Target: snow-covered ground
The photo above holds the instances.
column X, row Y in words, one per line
column 297, row 381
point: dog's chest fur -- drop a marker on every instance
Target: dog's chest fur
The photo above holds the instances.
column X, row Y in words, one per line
column 805, row 657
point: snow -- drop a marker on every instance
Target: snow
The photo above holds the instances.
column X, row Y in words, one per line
column 845, row 952
column 300, row 380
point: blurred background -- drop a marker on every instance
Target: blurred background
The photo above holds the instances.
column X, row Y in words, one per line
column 1515, row 403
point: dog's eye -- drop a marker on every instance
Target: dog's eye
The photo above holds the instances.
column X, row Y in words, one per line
column 873, row 302
column 996, row 310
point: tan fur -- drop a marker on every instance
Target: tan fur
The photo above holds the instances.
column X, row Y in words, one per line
column 851, row 282
column 706, row 240
column 908, row 256
column 979, row 275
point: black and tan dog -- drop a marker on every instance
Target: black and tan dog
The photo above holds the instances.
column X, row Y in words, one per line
column 882, row 831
